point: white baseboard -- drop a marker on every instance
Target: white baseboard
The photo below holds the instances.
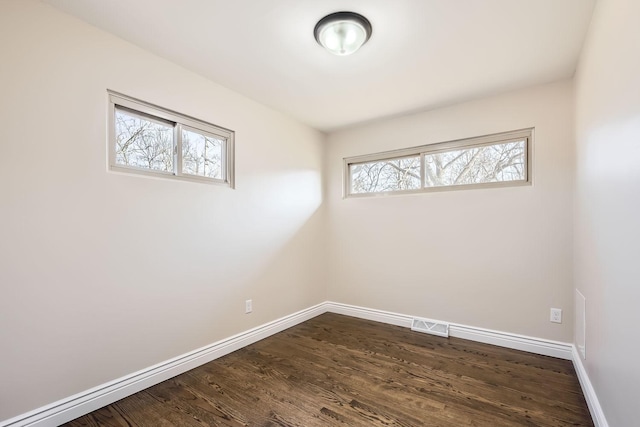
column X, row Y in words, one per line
column 557, row 349
column 503, row 339
column 369, row 314
column 80, row 404
column 589, row 392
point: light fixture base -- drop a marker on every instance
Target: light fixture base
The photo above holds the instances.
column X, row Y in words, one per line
column 343, row 33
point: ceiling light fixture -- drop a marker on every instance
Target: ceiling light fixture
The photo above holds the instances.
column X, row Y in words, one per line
column 342, row 33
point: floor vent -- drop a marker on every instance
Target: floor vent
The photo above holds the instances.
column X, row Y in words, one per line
column 430, row 327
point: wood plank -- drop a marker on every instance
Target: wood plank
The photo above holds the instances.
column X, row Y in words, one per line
column 335, row 370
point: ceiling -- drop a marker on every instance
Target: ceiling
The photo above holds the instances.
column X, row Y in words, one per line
column 422, row 54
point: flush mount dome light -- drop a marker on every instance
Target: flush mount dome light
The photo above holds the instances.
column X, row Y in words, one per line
column 342, row 33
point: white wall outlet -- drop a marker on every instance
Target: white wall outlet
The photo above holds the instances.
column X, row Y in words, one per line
column 248, row 306
column 556, row 315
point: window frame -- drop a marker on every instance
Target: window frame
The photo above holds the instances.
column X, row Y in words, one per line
column 466, row 143
column 178, row 121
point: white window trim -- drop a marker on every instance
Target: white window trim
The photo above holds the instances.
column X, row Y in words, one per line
column 178, row 121
column 422, row 150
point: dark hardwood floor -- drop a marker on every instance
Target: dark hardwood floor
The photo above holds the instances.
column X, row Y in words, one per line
column 335, row 370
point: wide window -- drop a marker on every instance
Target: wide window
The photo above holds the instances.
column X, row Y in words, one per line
column 488, row 161
column 152, row 140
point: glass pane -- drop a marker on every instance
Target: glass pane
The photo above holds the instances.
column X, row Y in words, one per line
column 143, row 143
column 201, row 154
column 386, row 175
column 492, row 163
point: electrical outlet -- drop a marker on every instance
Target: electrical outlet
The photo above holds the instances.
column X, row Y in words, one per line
column 248, row 306
column 556, row 315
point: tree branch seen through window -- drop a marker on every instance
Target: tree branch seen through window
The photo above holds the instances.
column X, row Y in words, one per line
column 151, row 140
column 475, row 161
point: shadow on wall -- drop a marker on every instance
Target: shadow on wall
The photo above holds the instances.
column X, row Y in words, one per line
column 279, row 264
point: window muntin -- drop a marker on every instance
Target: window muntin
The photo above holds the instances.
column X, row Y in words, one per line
column 488, row 161
column 147, row 139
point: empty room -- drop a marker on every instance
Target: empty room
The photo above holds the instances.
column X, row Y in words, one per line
column 319, row 213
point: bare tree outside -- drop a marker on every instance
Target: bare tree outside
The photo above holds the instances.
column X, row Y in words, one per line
column 149, row 144
column 143, row 143
column 201, row 155
column 147, row 139
column 474, row 165
column 489, row 163
column 386, row 175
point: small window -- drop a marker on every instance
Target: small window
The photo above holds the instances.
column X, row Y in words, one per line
column 488, row 161
column 152, row 140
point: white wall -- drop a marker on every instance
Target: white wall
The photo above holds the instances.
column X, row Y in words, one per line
column 103, row 274
column 607, row 226
column 493, row 258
